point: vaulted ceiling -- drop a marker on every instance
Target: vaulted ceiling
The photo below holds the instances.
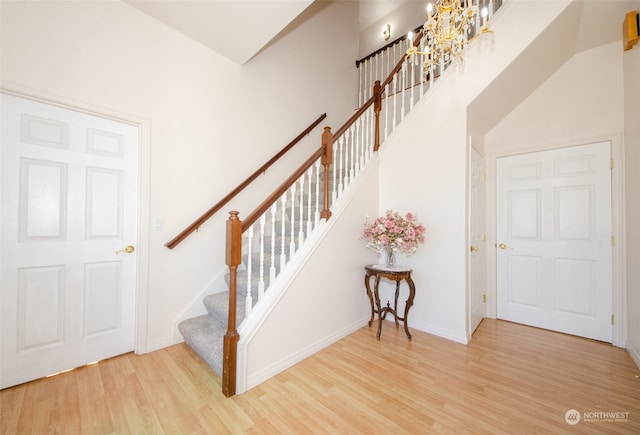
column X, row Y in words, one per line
column 239, row 29
column 236, row 29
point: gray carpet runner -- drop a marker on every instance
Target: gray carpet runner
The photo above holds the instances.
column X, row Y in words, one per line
column 205, row 333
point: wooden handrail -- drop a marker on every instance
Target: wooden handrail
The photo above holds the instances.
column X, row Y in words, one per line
column 262, row 208
column 381, row 49
column 339, row 132
column 202, row 219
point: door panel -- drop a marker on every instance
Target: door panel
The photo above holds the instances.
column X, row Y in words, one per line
column 69, row 203
column 554, row 258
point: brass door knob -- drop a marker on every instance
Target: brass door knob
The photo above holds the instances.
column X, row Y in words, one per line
column 129, row 249
column 503, row 246
column 474, row 249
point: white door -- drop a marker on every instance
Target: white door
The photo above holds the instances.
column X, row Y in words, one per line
column 554, row 256
column 69, row 202
column 477, row 251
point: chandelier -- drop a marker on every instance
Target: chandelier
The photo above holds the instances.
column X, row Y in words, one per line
column 450, row 26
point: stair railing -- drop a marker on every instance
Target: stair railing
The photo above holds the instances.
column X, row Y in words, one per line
column 343, row 155
column 261, row 170
column 379, row 64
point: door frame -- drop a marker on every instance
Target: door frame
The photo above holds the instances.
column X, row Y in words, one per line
column 619, row 285
column 483, row 248
column 142, row 244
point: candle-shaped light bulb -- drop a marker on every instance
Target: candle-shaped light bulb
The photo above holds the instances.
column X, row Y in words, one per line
column 485, row 15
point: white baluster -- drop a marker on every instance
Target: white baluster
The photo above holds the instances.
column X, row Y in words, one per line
column 334, row 172
column 356, row 144
column 395, row 104
column 371, row 132
column 422, row 77
column 386, row 111
column 301, row 213
column 352, row 132
column 360, row 67
column 370, row 117
column 370, row 88
column 341, row 164
column 431, row 73
column 404, row 86
column 354, row 149
column 248, row 300
column 272, row 268
column 309, row 199
column 389, row 54
column 347, row 165
column 413, row 83
column 261, row 269
column 292, row 244
column 316, row 217
column 375, row 72
column 283, row 232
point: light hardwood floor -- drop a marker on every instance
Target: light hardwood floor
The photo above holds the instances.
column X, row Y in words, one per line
column 510, row 379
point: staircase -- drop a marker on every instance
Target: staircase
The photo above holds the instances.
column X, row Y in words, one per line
column 276, row 235
column 205, row 333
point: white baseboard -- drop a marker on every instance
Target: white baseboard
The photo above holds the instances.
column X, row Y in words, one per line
column 269, row 372
column 634, row 354
column 458, row 337
column 158, row 344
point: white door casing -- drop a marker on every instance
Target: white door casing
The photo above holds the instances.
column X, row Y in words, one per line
column 554, row 256
column 69, row 203
column 477, row 252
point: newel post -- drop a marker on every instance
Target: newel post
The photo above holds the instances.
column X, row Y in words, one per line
column 327, row 160
column 377, row 107
column 233, row 256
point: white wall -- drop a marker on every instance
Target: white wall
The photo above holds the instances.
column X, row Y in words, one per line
column 208, row 123
column 424, row 170
column 326, row 299
column 631, row 65
column 572, row 107
column 405, row 18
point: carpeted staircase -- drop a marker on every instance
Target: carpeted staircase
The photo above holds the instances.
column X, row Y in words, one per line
column 205, row 333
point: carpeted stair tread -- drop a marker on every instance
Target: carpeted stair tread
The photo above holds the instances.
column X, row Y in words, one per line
column 205, row 336
column 217, row 306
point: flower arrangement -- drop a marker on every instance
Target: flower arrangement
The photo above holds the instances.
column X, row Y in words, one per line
column 395, row 232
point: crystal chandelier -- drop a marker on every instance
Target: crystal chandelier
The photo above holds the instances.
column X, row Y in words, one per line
column 447, row 32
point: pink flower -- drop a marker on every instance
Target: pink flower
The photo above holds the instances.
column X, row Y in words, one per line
column 402, row 233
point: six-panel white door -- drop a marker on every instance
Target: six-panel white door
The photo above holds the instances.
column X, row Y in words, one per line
column 554, row 257
column 69, row 203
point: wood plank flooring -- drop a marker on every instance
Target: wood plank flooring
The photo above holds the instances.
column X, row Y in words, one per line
column 511, row 379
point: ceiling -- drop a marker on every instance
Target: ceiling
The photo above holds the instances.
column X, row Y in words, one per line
column 218, row 24
column 238, row 30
